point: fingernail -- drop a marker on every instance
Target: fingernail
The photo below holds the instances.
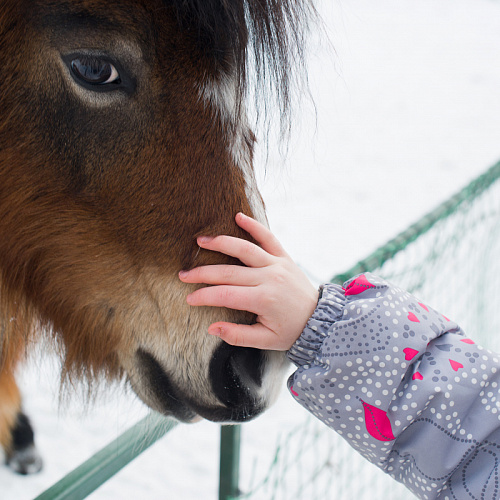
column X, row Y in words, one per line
column 205, row 239
column 183, row 274
column 217, row 331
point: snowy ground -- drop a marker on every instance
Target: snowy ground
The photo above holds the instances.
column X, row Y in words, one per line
column 408, row 111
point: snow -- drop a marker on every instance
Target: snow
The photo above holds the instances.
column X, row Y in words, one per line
column 408, row 111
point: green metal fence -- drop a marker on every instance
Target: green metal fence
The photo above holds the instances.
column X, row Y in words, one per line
column 457, row 244
column 91, row 474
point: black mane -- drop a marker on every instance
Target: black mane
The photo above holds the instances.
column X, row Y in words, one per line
column 268, row 35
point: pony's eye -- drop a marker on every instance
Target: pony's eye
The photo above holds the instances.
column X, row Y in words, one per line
column 94, row 71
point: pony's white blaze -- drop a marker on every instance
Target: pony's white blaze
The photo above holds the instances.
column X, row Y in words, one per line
column 222, row 96
column 241, row 151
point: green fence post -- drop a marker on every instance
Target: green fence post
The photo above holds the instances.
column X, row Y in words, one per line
column 229, row 462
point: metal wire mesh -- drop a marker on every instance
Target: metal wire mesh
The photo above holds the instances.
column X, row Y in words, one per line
column 451, row 260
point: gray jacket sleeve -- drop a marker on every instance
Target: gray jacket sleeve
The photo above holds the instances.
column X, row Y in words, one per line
column 404, row 386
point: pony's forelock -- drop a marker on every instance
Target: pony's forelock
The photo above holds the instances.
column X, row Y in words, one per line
column 262, row 43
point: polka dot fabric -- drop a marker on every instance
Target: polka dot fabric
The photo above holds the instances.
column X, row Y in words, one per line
column 404, row 386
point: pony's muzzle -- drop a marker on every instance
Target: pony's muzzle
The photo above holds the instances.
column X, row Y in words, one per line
column 235, row 376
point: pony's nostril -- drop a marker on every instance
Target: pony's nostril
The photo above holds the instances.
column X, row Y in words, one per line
column 236, row 374
column 248, row 365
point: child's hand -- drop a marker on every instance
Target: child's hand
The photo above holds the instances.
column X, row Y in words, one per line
column 272, row 287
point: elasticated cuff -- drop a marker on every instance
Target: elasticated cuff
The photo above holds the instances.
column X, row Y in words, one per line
column 328, row 311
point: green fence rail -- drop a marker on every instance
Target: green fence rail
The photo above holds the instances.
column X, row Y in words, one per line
column 92, row 473
column 437, row 239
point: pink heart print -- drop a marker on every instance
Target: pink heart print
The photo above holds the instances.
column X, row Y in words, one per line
column 413, row 318
column 377, row 423
column 456, row 365
column 409, row 353
column 359, row 285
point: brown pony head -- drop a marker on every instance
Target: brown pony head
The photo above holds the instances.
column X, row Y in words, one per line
column 123, row 136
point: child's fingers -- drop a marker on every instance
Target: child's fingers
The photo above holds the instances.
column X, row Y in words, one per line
column 241, row 298
column 256, row 335
column 221, row 274
column 262, row 234
column 247, row 252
